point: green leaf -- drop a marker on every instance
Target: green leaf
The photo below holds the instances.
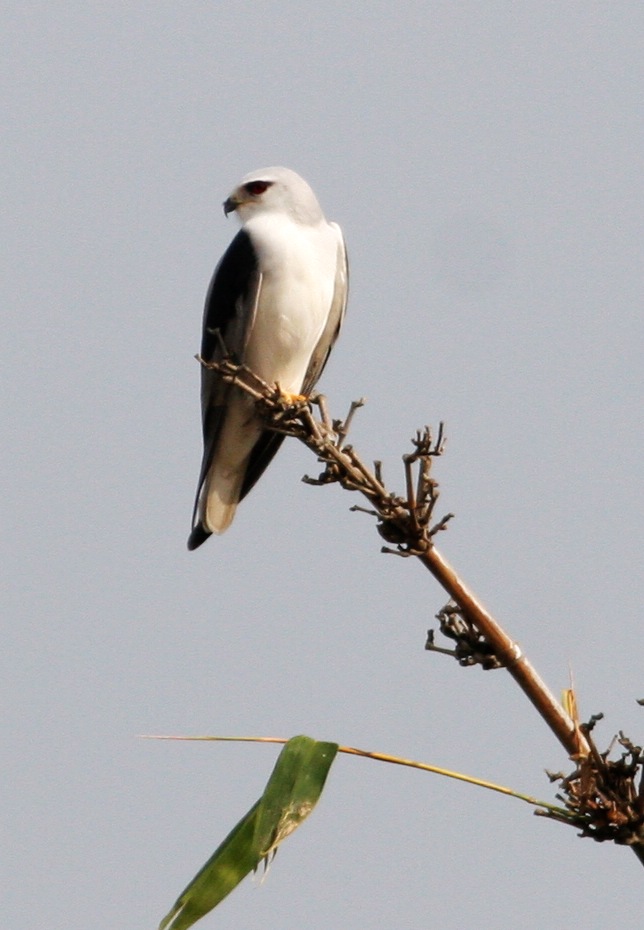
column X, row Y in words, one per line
column 292, row 790
column 231, row 861
column 290, row 795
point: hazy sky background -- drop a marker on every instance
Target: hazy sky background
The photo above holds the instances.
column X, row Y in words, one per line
column 485, row 163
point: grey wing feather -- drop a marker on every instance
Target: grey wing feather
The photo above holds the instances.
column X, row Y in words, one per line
column 334, row 322
column 234, row 330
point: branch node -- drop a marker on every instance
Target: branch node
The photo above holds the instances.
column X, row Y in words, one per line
column 471, row 646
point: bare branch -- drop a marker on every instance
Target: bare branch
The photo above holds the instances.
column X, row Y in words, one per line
column 601, row 796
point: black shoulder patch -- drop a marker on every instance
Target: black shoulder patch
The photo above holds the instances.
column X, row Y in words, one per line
column 233, row 276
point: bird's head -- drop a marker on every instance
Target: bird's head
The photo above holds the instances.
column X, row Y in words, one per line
column 275, row 190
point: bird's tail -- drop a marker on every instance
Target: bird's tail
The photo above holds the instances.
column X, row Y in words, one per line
column 217, row 504
column 198, row 536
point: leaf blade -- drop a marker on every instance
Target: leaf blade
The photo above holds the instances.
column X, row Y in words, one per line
column 292, row 791
column 233, row 859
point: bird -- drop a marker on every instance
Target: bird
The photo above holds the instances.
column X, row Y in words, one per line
column 276, row 303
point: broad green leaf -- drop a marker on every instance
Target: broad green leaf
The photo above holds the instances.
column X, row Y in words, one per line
column 292, row 790
column 290, row 795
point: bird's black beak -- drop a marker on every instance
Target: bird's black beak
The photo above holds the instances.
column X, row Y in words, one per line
column 230, row 206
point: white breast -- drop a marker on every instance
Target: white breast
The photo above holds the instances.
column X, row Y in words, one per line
column 298, row 268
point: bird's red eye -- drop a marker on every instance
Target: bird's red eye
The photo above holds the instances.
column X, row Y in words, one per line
column 257, row 187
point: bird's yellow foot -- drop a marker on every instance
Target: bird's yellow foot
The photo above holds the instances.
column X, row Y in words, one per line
column 293, row 399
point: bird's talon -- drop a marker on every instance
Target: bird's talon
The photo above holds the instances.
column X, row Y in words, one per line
column 293, row 399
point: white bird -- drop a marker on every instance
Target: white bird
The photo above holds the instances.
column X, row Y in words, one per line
column 277, row 299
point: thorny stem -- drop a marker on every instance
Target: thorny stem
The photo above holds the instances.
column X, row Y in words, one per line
column 405, row 523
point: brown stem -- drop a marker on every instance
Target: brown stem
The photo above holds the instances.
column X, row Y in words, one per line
column 401, row 523
column 508, row 652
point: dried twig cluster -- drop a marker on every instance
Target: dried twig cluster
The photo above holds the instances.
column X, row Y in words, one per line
column 471, row 648
column 605, row 797
column 404, row 522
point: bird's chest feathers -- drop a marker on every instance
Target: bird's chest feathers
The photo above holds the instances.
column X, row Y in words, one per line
column 295, row 294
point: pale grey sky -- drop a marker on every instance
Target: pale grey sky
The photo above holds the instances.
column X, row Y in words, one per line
column 484, row 161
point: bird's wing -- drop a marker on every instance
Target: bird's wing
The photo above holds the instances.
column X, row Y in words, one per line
column 269, row 442
column 334, row 321
column 229, row 312
column 260, row 458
